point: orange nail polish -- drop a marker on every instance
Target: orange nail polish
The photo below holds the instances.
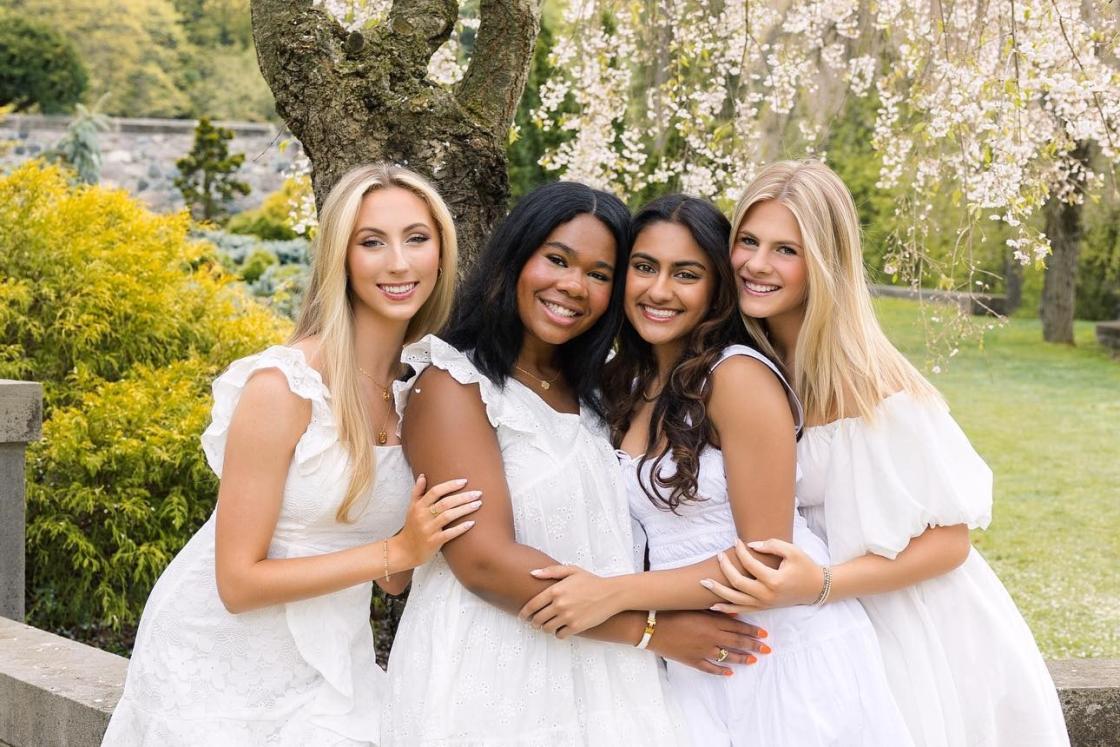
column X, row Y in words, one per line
column 728, row 673
column 764, row 649
column 762, row 633
column 751, row 659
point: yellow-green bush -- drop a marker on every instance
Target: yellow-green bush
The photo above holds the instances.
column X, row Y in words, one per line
column 126, row 321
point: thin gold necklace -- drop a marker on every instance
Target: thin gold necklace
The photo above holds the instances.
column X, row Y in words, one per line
column 382, row 433
column 546, row 384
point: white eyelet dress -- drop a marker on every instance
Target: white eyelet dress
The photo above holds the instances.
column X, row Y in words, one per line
column 962, row 663
column 300, row 673
column 464, row 672
column 823, row 684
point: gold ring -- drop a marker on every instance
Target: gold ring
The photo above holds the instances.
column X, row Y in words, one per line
column 722, row 655
column 434, row 510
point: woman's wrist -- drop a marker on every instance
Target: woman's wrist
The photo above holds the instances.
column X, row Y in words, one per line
column 397, row 558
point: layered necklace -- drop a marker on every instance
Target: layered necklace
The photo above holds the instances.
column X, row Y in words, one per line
column 382, row 433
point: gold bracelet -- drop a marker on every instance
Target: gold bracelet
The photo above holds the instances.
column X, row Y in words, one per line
column 825, row 588
column 651, row 625
column 387, row 574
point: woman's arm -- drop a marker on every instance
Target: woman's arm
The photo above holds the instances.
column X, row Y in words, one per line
column 752, row 417
column 489, row 561
column 798, row 579
column 266, row 425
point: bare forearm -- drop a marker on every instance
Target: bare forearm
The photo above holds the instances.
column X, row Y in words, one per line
column 933, row 553
column 279, row 580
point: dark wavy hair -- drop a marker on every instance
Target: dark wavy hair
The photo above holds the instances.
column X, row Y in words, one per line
column 485, row 323
column 680, row 415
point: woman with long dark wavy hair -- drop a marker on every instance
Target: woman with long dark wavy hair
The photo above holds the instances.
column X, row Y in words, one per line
column 515, row 378
column 706, row 428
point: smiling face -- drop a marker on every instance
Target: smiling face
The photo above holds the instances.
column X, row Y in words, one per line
column 565, row 287
column 394, row 253
column 769, row 258
column 669, row 284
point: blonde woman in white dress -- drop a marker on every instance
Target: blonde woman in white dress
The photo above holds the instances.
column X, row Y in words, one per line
column 258, row 632
column 888, row 479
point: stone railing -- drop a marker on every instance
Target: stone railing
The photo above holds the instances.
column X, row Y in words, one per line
column 54, row 691
column 1108, row 335
column 976, row 304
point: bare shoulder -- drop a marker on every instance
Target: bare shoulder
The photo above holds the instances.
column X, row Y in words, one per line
column 746, row 391
column 438, row 399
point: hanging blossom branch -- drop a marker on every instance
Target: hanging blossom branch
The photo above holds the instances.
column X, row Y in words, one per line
column 985, row 102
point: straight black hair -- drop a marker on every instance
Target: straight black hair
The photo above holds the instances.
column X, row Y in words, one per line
column 485, row 322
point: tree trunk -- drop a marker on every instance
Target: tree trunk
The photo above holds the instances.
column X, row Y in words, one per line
column 1059, row 285
column 351, row 98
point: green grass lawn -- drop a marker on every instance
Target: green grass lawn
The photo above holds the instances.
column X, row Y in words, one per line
column 1047, row 420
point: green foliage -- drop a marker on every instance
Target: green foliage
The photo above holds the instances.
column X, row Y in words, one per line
column 79, row 148
column 272, row 220
column 1098, row 274
column 134, row 50
column 276, row 272
column 38, row 66
column 126, row 322
column 524, row 152
column 256, row 264
column 206, row 173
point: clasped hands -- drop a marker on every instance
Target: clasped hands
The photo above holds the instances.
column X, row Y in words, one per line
column 580, row 600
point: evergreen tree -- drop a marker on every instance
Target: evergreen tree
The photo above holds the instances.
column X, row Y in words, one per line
column 206, row 174
column 38, row 66
column 79, row 148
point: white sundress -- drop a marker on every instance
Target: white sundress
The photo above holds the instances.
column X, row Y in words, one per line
column 301, row 673
column 823, row 684
column 464, row 672
column 962, row 663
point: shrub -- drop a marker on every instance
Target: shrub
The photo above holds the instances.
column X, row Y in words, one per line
column 272, row 220
column 206, row 173
column 126, row 322
column 38, row 66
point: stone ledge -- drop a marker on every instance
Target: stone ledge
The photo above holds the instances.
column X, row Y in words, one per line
column 1090, row 693
column 976, row 304
column 54, row 691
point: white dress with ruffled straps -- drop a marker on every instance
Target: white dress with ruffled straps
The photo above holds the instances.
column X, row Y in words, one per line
column 464, row 672
column 299, row 673
column 962, row 663
column 823, row 685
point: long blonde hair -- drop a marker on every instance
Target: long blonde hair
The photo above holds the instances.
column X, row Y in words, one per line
column 843, row 365
column 327, row 312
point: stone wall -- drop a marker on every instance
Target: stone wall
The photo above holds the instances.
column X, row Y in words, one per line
column 140, row 154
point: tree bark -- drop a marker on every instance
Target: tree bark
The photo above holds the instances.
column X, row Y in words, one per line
column 1012, row 284
column 1059, row 285
column 351, row 98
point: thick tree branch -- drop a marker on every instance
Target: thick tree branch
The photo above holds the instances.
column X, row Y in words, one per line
column 296, row 41
column 496, row 77
column 424, row 25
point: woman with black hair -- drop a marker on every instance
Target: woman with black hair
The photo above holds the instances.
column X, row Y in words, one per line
column 515, row 379
column 707, row 430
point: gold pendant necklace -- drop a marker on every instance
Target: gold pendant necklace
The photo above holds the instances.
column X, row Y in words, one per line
column 382, row 434
column 546, row 384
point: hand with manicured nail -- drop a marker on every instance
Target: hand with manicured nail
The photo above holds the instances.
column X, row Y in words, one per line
column 797, row 580
column 426, row 527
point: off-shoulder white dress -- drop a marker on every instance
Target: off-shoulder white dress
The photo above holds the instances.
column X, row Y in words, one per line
column 463, row 672
column 300, row 673
column 962, row 663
